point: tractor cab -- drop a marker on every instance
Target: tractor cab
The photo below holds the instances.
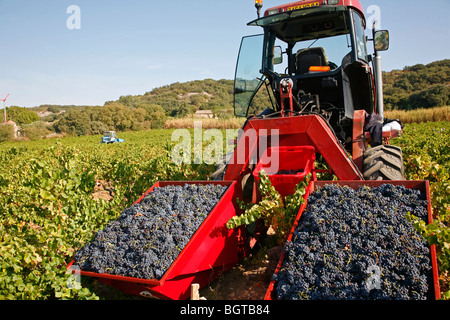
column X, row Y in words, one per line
column 312, row 58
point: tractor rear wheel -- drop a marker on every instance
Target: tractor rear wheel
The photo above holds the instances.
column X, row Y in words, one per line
column 384, row 163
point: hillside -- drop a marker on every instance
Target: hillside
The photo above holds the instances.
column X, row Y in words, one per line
column 181, row 99
column 415, row 87
column 418, row 86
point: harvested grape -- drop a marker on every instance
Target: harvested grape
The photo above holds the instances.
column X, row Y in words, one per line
column 148, row 236
column 358, row 245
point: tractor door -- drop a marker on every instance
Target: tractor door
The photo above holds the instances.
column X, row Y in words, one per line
column 248, row 73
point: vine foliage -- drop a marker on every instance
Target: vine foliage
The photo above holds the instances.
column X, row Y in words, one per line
column 275, row 211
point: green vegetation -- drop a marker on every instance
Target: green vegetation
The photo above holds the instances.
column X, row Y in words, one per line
column 6, row 133
column 419, row 86
column 113, row 116
column 51, row 205
column 275, row 211
column 19, row 115
column 148, row 111
column 181, row 99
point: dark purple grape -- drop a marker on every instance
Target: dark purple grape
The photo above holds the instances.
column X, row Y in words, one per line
column 148, row 236
column 358, row 245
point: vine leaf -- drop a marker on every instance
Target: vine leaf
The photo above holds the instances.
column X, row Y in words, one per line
column 276, row 212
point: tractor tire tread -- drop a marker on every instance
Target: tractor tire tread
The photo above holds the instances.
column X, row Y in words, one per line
column 383, row 163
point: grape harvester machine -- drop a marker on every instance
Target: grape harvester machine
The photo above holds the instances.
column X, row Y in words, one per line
column 311, row 62
column 111, row 137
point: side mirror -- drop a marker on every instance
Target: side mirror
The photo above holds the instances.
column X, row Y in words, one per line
column 381, row 40
column 277, row 55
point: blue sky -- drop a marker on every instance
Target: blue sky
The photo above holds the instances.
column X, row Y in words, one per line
column 131, row 47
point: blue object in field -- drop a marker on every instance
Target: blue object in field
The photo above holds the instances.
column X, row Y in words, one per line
column 111, row 137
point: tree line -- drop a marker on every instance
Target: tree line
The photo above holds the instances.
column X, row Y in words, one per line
column 142, row 112
column 415, row 87
column 113, row 116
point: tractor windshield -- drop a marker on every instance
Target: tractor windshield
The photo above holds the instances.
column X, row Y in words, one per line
column 316, row 37
column 324, row 52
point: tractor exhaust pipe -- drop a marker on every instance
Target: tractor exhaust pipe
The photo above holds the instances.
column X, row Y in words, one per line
column 379, row 84
column 380, row 43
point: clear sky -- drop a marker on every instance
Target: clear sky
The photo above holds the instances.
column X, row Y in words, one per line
column 130, row 47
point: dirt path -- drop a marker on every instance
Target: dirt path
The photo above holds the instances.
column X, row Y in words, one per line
column 249, row 280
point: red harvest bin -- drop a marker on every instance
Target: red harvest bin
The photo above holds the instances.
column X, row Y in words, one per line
column 211, row 251
column 277, row 159
column 422, row 186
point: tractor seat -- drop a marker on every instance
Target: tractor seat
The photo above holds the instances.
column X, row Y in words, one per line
column 309, row 57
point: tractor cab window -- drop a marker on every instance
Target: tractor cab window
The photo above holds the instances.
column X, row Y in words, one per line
column 325, row 52
column 311, row 38
column 361, row 47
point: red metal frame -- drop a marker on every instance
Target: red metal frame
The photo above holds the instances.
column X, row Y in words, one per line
column 290, row 158
column 303, row 130
column 211, row 251
column 423, row 186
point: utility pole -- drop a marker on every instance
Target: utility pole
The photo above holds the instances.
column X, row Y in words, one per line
column 4, row 104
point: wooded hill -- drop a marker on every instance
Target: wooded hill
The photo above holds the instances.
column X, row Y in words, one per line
column 418, row 86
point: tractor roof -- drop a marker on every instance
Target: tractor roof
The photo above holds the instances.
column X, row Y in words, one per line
column 309, row 19
column 304, row 4
column 304, row 9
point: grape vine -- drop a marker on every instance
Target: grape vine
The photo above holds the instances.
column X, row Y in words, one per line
column 276, row 212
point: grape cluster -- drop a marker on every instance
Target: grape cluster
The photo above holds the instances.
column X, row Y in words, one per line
column 148, row 236
column 358, row 245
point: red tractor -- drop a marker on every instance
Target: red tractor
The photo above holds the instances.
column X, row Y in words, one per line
column 325, row 90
